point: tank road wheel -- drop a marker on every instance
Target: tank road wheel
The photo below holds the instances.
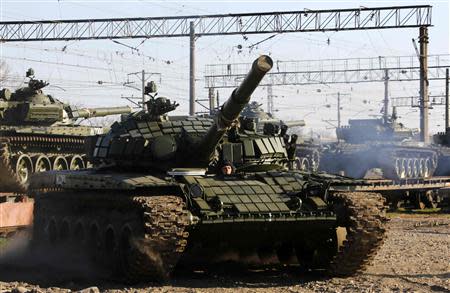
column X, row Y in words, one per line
column 409, row 168
column 24, row 168
column 154, row 256
column 415, row 168
column 64, row 231
column 315, row 161
column 302, row 164
column 42, row 164
column 60, row 163
column 76, row 163
column 363, row 216
column 52, row 232
column 421, row 166
column 427, row 168
column 93, row 241
column 285, row 253
column 400, row 168
column 79, row 233
column 320, row 255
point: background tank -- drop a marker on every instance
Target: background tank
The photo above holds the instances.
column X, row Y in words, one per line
column 442, row 143
column 158, row 198
column 40, row 133
column 367, row 144
column 306, row 154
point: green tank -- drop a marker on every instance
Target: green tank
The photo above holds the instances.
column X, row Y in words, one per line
column 384, row 144
column 303, row 153
column 40, row 133
column 171, row 190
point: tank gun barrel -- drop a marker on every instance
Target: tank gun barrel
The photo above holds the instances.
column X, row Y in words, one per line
column 294, row 123
column 100, row 112
column 232, row 108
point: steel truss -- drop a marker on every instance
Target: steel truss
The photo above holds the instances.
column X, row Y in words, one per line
column 218, row 24
column 333, row 71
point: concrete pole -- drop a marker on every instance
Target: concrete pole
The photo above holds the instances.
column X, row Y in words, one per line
column 212, row 100
column 269, row 99
column 143, row 88
column 192, row 69
column 447, row 122
column 217, row 98
column 424, row 101
column 339, row 109
column 386, row 96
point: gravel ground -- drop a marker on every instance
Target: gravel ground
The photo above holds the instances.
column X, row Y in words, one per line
column 414, row 258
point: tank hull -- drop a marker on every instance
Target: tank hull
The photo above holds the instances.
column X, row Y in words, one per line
column 146, row 226
column 395, row 161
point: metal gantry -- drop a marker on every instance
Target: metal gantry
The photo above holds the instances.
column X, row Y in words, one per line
column 331, row 71
column 217, row 24
column 414, row 101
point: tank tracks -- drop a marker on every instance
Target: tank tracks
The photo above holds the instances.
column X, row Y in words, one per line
column 148, row 233
column 363, row 214
column 158, row 230
column 30, row 149
column 165, row 238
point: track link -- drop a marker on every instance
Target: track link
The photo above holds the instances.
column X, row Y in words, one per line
column 9, row 179
column 156, row 241
column 363, row 214
column 155, row 255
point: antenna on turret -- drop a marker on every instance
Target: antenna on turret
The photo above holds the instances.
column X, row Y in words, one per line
column 30, row 73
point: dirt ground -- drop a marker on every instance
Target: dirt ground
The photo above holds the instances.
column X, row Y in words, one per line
column 414, row 258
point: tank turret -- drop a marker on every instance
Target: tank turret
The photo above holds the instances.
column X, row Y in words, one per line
column 377, row 129
column 164, row 142
column 253, row 113
column 30, row 106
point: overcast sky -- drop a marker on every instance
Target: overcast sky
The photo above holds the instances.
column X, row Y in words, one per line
column 75, row 67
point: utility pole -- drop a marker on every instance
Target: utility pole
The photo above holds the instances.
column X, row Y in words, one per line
column 212, row 100
column 270, row 97
column 447, row 122
column 386, row 96
column 143, row 87
column 144, row 77
column 338, row 109
column 338, row 97
column 424, row 101
column 192, row 69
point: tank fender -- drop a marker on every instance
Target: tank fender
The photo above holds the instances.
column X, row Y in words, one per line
column 89, row 179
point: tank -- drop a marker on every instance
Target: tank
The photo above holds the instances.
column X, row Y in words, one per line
column 183, row 190
column 372, row 145
column 40, row 133
column 304, row 154
column 441, row 141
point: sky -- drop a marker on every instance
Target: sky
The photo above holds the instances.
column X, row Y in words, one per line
column 74, row 68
